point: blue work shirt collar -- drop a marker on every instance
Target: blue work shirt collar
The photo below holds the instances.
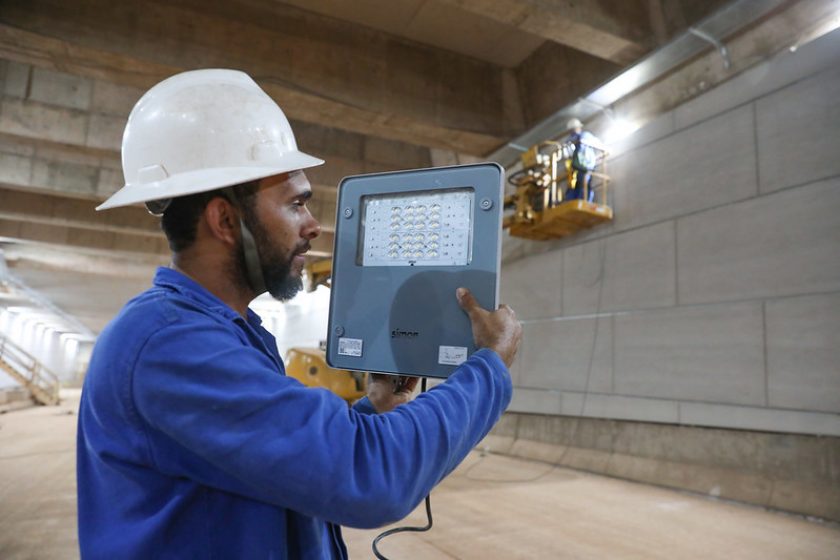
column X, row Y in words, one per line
column 186, row 286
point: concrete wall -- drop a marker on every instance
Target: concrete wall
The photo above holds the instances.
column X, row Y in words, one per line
column 791, row 472
column 714, row 297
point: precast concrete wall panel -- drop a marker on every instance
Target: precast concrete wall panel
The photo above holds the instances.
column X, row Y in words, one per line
column 659, row 127
column 775, row 245
column 798, row 131
column 711, row 303
column 534, row 286
column 710, row 164
column 803, row 352
column 706, row 353
column 568, row 355
column 715, row 290
column 785, row 69
column 632, row 270
column 538, row 401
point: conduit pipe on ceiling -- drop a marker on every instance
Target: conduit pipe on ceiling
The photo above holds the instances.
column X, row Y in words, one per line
column 720, row 25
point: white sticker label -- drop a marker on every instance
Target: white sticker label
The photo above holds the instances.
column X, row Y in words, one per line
column 350, row 347
column 452, row 355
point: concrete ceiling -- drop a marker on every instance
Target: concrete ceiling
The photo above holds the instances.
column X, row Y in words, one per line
column 441, row 24
column 369, row 85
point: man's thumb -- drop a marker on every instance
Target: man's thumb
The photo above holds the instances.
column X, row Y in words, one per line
column 466, row 300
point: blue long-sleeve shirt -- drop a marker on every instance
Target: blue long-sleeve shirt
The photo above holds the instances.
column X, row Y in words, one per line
column 193, row 443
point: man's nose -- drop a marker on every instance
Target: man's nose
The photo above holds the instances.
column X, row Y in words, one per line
column 312, row 228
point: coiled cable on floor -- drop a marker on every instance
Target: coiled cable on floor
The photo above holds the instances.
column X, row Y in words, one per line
column 466, row 474
column 396, row 530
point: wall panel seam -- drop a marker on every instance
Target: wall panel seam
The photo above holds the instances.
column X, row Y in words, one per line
column 613, row 233
column 756, row 149
column 686, row 306
column 681, row 402
column 687, row 127
column 764, row 345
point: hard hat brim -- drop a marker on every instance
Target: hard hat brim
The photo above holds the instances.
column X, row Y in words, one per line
column 204, row 180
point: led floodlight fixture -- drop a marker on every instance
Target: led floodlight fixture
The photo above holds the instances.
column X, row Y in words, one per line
column 404, row 242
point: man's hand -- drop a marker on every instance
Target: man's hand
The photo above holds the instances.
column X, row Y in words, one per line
column 498, row 330
column 385, row 395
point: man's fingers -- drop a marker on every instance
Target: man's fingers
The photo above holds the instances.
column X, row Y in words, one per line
column 507, row 308
column 410, row 384
column 467, row 301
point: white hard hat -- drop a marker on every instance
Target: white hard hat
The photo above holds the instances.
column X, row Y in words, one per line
column 574, row 123
column 203, row 130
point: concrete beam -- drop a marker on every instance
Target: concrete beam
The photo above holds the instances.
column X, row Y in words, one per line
column 73, row 212
column 73, row 222
column 130, row 266
column 386, row 86
column 556, row 75
column 80, row 120
column 61, row 133
column 51, row 147
column 619, row 33
column 27, row 229
column 56, row 219
column 87, row 175
column 35, row 165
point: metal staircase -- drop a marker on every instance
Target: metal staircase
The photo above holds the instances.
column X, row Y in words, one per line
column 42, row 384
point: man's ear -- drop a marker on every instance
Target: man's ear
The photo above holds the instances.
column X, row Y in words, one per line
column 222, row 220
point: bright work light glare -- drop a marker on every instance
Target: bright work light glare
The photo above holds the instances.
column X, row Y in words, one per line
column 619, row 129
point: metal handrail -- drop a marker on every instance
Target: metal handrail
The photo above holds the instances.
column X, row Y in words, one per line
column 34, row 373
column 561, row 153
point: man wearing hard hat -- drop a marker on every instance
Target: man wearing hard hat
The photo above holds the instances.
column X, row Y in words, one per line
column 583, row 157
column 192, row 442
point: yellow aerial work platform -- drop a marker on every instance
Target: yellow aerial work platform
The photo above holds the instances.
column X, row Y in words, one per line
column 539, row 209
column 564, row 219
column 318, row 273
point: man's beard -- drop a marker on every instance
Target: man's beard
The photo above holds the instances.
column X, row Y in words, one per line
column 275, row 266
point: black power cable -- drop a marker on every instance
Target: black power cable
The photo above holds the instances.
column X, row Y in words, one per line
column 395, row 530
column 390, row 532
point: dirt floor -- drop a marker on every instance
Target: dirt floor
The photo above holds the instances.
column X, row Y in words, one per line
column 492, row 507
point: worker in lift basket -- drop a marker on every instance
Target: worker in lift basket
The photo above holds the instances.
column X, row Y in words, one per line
column 582, row 160
column 192, row 442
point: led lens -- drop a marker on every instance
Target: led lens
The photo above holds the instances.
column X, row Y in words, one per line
column 424, row 228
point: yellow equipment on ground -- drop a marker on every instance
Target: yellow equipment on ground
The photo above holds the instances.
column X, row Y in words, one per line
column 318, row 273
column 309, row 365
column 539, row 211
